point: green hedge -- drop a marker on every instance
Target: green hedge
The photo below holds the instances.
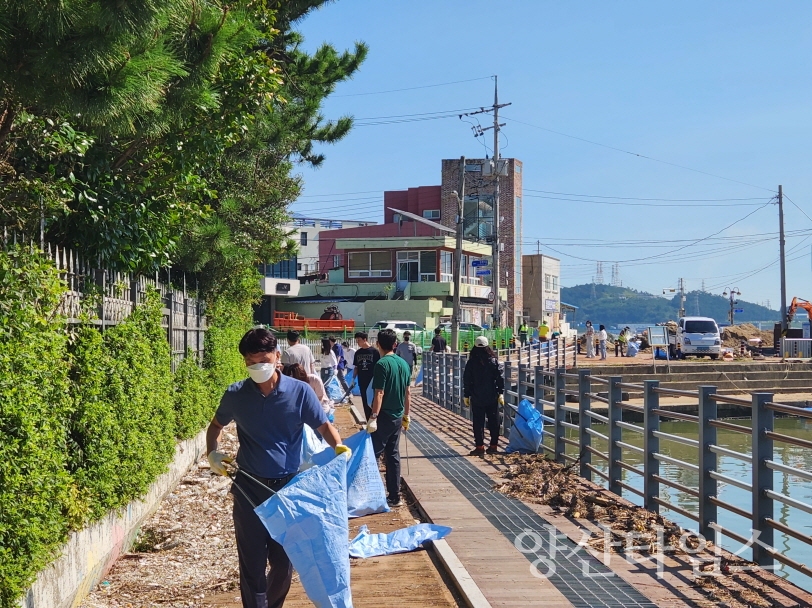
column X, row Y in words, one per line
column 88, row 419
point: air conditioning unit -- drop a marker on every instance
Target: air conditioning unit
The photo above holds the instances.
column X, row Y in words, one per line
column 279, row 287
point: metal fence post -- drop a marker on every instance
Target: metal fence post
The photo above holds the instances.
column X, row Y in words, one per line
column 458, row 384
column 651, row 445
column 505, row 427
column 585, row 422
column 559, row 400
column 170, row 330
column 615, row 434
column 707, row 461
column 763, row 419
column 443, row 379
column 549, row 344
column 521, row 390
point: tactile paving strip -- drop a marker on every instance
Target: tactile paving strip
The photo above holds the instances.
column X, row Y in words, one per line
column 585, row 581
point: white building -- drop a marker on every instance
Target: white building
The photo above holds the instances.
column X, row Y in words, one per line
column 541, row 278
column 306, row 233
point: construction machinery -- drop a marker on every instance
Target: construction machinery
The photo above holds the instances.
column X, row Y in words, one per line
column 795, row 305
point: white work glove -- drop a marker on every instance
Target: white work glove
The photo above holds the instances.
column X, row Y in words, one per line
column 405, row 424
column 501, row 400
column 343, row 449
column 372, row 425
column 216, row 460
column 466, row 401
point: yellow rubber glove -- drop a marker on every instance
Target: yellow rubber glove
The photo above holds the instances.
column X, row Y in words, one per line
column 372, row 425
column 466, row 401
column 343, row 449
column 405, row 424
column 501, row 400
column 216, row 460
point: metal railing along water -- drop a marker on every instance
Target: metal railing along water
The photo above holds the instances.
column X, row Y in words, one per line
column 565, row 399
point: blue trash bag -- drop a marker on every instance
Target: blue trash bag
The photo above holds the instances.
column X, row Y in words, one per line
column 366, row 493
column 400, row 541
column 419, row 380
column 660, row 353
column 333, row 389
column 308, row 517
column 312, row 444
column 632, row 349
column 526, row 432
column 356, row 388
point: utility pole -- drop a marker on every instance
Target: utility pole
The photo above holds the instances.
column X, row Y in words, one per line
column 455, row 315
column 782, row 260
column 496, row 273
column 733, row 293
column 682, row 297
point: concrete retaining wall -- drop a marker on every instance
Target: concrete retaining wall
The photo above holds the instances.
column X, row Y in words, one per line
column 89, row 553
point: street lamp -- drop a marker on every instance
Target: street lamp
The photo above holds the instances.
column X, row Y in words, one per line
column 455, row 314
column 733, row 293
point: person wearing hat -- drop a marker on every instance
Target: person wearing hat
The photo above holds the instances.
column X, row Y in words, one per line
column 483, row 385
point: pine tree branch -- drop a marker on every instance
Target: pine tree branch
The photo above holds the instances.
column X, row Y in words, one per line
column 6, row 120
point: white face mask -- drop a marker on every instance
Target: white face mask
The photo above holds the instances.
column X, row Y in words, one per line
column 261, row 372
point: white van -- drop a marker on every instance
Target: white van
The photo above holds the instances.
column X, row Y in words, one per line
column 699, row 336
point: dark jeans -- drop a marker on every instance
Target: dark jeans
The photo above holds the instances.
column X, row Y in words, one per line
column 363, row 385
column 342, row 379
column 479, row 412
column 256, row 549
column 386, row 441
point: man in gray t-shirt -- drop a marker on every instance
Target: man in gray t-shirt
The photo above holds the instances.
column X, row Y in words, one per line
column 407, row 351
column 299, row 353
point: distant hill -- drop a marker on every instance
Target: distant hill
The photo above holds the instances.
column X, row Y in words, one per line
column 612, row 305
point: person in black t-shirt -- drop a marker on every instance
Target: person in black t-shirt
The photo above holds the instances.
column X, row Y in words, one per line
column 438, row 343
column 364, row 362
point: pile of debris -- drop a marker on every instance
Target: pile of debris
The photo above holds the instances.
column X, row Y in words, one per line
column 734, row 335
column 730, row 583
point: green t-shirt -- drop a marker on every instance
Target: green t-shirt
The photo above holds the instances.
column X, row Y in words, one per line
column 392, row 375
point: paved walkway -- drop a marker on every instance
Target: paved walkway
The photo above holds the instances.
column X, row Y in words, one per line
column 456, row 490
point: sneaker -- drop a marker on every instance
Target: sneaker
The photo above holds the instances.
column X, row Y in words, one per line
column 493, row 449
column 397, row 502
column 477, row 451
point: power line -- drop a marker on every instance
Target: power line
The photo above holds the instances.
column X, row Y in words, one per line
column 625, row 204
column 417, row 114
column 339, row 193
column 426, row 86
column 797, row 207
column 651, row 158
column 634, row 198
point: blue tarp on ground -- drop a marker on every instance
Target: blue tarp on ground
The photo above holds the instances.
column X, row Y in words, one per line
column 526, row 432
column 366, row 493
column 399, row 541
column 308, row 517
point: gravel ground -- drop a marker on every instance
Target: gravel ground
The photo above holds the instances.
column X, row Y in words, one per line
column 185, row 555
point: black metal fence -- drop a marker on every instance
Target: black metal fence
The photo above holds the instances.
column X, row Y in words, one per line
column 104, row 298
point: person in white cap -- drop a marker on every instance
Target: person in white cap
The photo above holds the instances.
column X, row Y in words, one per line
column 483, row 387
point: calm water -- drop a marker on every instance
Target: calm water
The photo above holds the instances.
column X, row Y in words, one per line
column 792, row 486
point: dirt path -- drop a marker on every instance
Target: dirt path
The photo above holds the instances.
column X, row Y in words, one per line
column 185, row 555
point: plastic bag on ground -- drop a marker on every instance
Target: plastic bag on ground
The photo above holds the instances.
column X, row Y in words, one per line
column 632, row 349
column 312, row 444
column 400, row 541
column 366, row 493
column 308, row 517
column 526, row 432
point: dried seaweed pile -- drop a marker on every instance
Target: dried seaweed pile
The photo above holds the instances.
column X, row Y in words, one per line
column 185, row 552
column 534, row 478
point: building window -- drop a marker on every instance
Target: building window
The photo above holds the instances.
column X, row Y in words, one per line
column 303, row 238
column 547, row 283
column 286, row 269
column 431, row 214
column 428, row 266
column 477, row 213
column 298, row 266
column 446, row 266
column 363, row 264
column 518, row 168
column 337, row 261
column 555, row 283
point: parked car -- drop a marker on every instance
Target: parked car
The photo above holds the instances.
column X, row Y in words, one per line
column 398, row 326
column 446, row 326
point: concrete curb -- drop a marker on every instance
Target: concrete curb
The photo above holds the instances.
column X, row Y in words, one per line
column 471, row 594
column 90, row 553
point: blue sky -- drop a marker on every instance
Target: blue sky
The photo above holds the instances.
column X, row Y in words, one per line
column 721, row 88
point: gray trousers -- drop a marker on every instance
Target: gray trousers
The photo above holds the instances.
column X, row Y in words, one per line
column 256, row 549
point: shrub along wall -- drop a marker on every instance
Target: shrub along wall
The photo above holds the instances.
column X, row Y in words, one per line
column 88, row 419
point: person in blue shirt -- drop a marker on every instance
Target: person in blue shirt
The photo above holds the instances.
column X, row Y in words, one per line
column 341, row 370
column 270, row 410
